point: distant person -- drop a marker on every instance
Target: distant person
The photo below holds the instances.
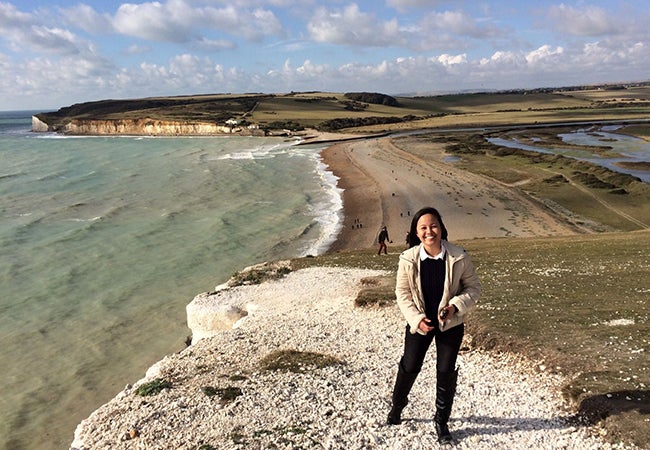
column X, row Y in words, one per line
column 382, row 238
column 436, row 287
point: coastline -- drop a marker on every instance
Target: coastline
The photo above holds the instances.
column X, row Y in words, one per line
column 382, row 184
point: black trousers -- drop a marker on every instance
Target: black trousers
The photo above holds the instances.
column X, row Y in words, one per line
column 447, row 348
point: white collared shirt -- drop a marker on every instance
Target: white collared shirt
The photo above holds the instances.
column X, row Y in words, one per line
column 424, row 255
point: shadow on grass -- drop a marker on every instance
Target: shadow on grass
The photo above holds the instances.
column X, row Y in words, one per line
column 599, row 407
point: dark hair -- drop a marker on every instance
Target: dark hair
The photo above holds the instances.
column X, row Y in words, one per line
column 413, row 238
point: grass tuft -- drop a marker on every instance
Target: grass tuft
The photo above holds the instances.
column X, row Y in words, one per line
column 260, row 273
column 296, row 361
column 153, row 387
column 226, row 395
column 376, row 292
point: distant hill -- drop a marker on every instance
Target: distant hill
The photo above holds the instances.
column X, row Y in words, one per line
column 336, row 111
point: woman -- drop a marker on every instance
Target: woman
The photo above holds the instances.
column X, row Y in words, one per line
column 436, row 287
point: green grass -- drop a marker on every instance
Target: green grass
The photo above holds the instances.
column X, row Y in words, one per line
column 575, row 305
column 153, row 387
column 579, row 306
column 641, row 131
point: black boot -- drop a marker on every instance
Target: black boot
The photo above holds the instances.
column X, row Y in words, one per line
column 403, row 385
column 445, row 391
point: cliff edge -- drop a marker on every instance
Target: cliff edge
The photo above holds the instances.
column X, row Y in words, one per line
column 308, row 369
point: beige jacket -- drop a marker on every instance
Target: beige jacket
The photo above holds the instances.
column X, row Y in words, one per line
column 462, row 286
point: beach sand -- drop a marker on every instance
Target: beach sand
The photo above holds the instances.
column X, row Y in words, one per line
column 385, row 185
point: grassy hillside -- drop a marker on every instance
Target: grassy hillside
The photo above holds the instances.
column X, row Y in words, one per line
column 575, row 305
column 317, row 109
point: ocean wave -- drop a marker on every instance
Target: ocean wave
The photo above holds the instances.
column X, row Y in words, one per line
column 11, row 175
column 53, row 176
column 24, row 232
column 328, row 212
column 237, row 155
column 93, row 219
column 261, row 152
column 51, row 135
column 114, row 211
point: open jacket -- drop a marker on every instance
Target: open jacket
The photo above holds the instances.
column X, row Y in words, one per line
column 462, row 287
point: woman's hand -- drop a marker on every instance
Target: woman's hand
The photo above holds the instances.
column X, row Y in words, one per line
column 426, row 325
column 447, row 312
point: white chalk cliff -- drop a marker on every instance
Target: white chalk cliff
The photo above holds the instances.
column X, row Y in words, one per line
column 140, row 127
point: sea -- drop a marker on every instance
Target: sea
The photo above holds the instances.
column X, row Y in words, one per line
column 624, row 148
column 105, row 240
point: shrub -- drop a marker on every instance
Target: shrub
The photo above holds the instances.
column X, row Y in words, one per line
column 372, row 97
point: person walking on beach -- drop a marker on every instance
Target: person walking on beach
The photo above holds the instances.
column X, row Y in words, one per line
column 382, row 238
column 436, row 287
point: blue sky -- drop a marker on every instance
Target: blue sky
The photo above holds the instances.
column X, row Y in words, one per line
column 58, row 52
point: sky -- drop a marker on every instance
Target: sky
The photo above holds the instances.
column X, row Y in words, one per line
column 56, row 53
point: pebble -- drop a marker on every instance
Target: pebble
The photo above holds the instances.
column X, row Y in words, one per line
column 502, row 401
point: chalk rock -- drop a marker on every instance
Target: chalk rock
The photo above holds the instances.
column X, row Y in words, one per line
column 211, row 312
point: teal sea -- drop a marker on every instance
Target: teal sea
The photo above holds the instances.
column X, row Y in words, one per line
column 104, row 241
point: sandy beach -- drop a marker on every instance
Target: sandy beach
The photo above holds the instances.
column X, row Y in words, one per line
column 384, row 185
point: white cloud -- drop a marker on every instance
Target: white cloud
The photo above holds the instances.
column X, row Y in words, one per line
column 436, row 30
column 24, row 33
column 404, row 5
column 253, row 25
column 353, row 27
column 308, row 69
column 54, row 40
column 503, row 58
column 11, row 18
column 178, row 21
column 543, row 54
column 153, row 21
column 86, row 18
column 44, row 79
column 586, row 21
column 218, row 45
column 450, row 60
column 53, row 54
column 459, row 23
column 137, row 49
column 82, row 78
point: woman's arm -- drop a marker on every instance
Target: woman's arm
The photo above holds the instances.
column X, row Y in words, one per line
column 470, row 288
column 404, row 287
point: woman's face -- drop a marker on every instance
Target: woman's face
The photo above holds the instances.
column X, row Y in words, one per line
column 429, row 231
